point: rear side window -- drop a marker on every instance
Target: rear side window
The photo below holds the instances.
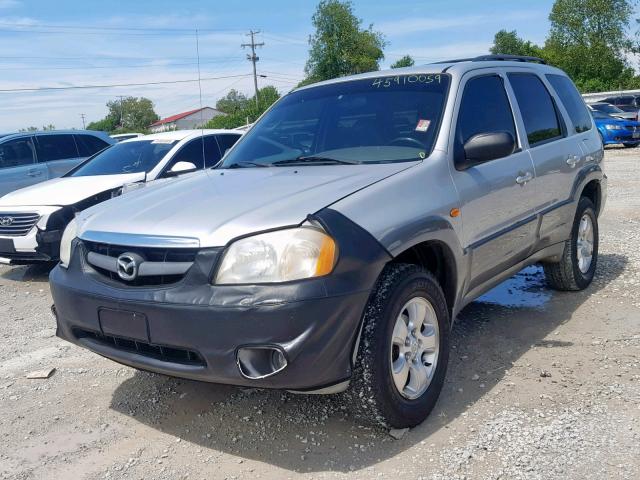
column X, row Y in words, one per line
column 226, row 142
column 484, row 108
column 16, row 153
column 88, row 145
column 55, row 147
column 572, row 101
column 537, row 108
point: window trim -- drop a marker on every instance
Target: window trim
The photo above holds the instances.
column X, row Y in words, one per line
column 559, row 117
column 34, row 155
column 462, row 89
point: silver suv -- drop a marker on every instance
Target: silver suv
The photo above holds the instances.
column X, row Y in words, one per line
column 337, row 241
column 27, row 158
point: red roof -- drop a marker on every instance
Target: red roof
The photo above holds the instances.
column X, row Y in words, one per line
column 176, row 117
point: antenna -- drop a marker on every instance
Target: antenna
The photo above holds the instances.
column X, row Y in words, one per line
column 204, row 163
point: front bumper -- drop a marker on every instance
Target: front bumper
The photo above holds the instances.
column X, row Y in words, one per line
column 40, row 244
column 315, row 323
column 615, row 137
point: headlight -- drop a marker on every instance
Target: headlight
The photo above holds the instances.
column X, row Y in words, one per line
column 65, row 243
column 612, row 127
column 280, row 256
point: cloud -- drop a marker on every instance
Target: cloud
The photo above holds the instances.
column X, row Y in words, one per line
column 7, row 4
column 410, row 25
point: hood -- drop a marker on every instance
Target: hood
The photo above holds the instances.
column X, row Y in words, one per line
column 216, row 206
column 67, row 190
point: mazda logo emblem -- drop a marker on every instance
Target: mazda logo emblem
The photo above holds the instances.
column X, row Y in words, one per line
column 128, row 265
column 6, row 221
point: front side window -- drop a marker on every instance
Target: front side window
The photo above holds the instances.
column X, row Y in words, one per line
column 16, row 153
column 55, row 147
column 127, row 157
column 572, row 101
column 484, row 108
column 193, row 153
column 536, row 106
column 376, row 120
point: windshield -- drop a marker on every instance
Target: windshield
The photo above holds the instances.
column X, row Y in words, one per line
column 378, row 120
column 603, row 107
column 601, row 115
column 127, row 157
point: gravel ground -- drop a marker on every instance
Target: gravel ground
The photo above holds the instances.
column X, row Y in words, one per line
column 541, row 385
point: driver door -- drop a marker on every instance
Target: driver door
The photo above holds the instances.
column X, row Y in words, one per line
column 497, row 197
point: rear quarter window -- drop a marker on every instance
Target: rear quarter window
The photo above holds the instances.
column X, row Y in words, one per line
column 572, row 101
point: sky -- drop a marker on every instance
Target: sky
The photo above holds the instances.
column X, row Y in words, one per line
column 66, row 43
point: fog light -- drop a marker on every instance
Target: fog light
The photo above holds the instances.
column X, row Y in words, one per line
column 260, row 362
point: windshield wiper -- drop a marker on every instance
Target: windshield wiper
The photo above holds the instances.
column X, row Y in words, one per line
column 248, row 165
column 314, row 159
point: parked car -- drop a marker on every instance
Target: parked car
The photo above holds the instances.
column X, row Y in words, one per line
column 337, row 241
column 32, row 219
column 27, row 158
column 120, row 137
column 615, row 131
column 614, row 111
column 628, row 103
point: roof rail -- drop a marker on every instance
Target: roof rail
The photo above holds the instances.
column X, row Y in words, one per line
column 498, row 58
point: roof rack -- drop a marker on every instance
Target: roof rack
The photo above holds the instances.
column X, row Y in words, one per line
column 499, row 58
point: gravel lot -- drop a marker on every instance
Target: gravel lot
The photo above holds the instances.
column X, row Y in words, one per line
column 541, row 385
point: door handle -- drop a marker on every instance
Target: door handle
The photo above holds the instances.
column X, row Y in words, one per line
column 34, row 173
column 524, row 178
column 573, row 160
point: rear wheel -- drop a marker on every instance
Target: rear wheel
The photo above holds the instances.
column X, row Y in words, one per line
column 404, row 349
column 577, row 267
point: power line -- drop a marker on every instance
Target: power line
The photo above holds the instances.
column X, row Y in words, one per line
column 84, row 67
column 254, row 58
column 112, row 85
column 110, row 28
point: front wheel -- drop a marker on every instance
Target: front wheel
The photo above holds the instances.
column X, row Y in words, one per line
column 577, row 267
column 404, row 349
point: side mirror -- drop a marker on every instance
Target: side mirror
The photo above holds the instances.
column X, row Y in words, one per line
column 485, row 147
column 181, row 167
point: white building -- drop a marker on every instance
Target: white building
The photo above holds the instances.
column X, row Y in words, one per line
column 186, row 120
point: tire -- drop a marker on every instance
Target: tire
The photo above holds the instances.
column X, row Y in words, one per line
column 568, row 275
column 373, row 390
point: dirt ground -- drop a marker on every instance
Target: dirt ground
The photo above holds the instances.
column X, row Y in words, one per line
column 541, row 385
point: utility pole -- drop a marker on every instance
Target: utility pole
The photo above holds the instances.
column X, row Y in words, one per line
column 121, row 110
column 253, row 58
column 83, row 125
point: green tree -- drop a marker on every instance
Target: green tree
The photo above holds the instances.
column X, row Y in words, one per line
column 35, row 129
column 588, row 39
column 107, row 124
column 508, row 43
column 249, row 112
column 232, row 102
column 340, row 46
column 129, row 114
column 406, row 61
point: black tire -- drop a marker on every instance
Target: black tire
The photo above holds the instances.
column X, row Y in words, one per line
column 372, row 391
column 566, row 274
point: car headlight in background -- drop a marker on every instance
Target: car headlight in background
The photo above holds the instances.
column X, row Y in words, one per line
column 613, row 127
column 280, row 256
column 69, row 234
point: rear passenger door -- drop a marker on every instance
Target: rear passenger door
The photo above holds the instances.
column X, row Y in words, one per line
column 18, row 167
column 58, row 152
column 555, row 151
column 497, row 199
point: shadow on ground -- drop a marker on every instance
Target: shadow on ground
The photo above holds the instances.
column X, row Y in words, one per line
column 307, row 433
column 38, row 273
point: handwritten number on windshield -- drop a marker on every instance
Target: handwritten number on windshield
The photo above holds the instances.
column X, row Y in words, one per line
column 388, row 82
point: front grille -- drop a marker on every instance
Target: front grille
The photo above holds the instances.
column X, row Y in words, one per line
column 160, row 352
column 149, row 254
column 17, row 224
